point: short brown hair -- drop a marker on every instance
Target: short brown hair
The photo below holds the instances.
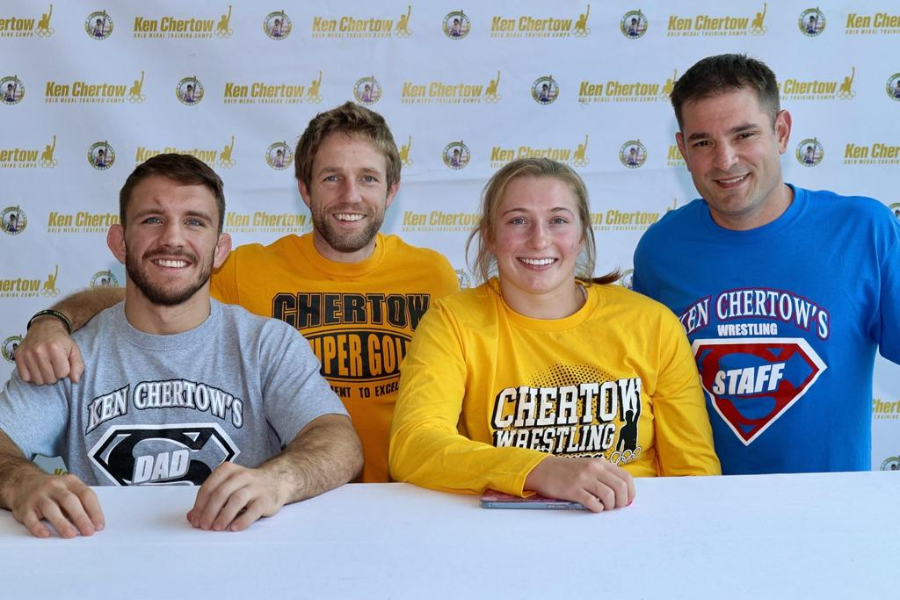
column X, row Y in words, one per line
column 485, row 231
column 182, row 168
column 350, row 119
column 724, row 73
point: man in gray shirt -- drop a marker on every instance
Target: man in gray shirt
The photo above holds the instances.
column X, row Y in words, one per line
column 183, row 389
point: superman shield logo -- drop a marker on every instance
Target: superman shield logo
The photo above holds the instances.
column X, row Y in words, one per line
column 751, row 382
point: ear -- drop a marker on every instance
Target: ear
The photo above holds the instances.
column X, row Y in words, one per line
column 115, row 240
column 679, row 139
column 223, row 249
column 391, row 194
column 783, row 123
column 304, row 192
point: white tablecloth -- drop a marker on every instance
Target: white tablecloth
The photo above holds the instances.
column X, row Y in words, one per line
column 779, row 536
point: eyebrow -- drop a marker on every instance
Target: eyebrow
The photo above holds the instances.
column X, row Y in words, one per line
column 156, row 211
column 699, row 135
column 555, row 209
column 325, row 170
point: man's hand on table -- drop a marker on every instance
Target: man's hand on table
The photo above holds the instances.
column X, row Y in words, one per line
column 63, row 500
column 235, row 497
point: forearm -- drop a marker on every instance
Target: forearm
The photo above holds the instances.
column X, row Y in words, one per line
column 82, row 306
column 429, row 454
column 327, row 453
column 15, row 468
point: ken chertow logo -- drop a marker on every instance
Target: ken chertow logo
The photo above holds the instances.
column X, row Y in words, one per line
column 633, row 154
column 545, row 90
column 811, row 22
column 13, row 220
column 456, row 155
column 10, row 345
column 456, row 25
column 104, row 279
column 277, row 25
column 101, row 156
column 367, row 90
column 633, row 24
column 279, row 156
column 12, row 90
column 810, row 152
column 98, row 25
column 189, row 91
column 893, row 87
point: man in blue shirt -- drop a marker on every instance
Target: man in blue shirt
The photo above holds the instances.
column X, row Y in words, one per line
column 785, row 293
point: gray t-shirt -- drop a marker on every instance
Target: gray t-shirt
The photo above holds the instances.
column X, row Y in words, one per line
column 153, row 409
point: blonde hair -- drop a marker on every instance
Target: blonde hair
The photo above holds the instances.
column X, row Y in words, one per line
column 485, row 232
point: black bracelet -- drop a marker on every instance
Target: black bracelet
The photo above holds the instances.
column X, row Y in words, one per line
column 52, row 313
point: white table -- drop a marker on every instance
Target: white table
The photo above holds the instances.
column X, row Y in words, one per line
column 779, row 536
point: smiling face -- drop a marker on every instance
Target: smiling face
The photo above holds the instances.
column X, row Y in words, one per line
column 347, row 197
column 537, row 241
column 733, row 153
column 170, row 241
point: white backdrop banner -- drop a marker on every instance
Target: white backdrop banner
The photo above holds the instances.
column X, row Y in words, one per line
column 90, row 90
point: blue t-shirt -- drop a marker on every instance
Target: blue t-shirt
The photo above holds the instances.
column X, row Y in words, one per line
column 784, row 322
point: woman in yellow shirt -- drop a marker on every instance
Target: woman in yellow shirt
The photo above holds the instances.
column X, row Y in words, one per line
column 542, row 379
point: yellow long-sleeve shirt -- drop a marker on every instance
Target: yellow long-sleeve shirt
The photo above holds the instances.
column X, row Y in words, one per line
column 486, row 393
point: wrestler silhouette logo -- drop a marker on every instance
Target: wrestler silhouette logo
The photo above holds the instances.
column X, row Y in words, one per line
column 668, row 86
column 490, row 92
column 633, row 154
column 628, row 434
column 279, row 156
column 98, row 25
column 10, row 345
column 49, row 288
column 367, row 91
column 456, row 25
column 314, row 94
column 752, row 382
column 189, row 91
column 810, row 152
column 545, row 90
column 222, row 28
column 47, row 160
column 846, row 92
column 13, row 220
column 134, row 93
column 162, row 454
column 402, row 29
column 12, row 90
column 43, row 28
column 633, row 24
column 101, row 156
column 405, row 160
column 811, row 22
column 225, row 160
column 579, row 157
column 581, row 24
column 456, row 155
column 893, row 87
column 104, row 279
column 758, row 26
column 277, row 25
